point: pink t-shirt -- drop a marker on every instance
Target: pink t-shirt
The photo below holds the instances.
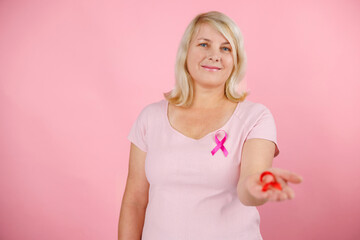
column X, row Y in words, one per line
column 193, row 193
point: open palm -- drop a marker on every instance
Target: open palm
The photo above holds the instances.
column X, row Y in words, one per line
column 282, row 176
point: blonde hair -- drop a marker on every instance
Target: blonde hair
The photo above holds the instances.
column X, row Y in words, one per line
column 182, row 94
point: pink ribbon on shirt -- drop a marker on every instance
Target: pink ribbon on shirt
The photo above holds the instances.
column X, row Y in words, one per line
column 220, row 144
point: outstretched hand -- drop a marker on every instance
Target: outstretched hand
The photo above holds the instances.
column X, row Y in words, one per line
column 271, row 193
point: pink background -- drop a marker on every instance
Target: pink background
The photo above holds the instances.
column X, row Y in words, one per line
column 74, row 75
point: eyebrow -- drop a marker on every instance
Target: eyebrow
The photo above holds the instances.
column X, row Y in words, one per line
column 210, row 40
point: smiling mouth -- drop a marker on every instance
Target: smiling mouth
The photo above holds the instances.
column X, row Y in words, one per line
column 211, row 68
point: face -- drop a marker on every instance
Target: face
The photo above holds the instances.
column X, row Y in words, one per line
column 209, row 58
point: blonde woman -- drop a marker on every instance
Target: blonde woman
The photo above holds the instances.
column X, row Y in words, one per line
column 201, row 159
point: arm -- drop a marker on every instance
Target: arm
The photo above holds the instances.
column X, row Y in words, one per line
column 257, row 157
column 135, row 199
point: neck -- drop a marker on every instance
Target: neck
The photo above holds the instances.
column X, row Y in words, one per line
column 208, row 98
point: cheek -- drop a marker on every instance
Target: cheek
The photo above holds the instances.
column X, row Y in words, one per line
column 190, row 65
column 193, row 56
column 229, row 63
column 193, row 59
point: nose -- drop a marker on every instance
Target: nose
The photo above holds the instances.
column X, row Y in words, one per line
column 214, row 58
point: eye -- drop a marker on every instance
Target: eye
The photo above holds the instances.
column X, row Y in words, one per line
column 201, row 44
column 228, row 49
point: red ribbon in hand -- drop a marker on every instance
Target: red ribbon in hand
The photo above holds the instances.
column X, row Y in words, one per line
column 273, row 184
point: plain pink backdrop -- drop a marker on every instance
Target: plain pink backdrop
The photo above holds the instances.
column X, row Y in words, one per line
column 74, row 75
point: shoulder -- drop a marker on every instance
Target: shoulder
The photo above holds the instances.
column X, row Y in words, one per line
column 251, row 108
column 153, row 109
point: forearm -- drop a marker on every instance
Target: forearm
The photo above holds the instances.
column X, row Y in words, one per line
column 246, row 198
column 131, row 222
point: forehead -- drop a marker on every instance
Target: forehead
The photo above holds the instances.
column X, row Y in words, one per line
column 205, row 30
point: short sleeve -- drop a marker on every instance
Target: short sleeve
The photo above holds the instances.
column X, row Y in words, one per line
column 265, row 128
column 137, row 134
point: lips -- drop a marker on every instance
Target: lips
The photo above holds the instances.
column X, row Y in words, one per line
column 211, row 67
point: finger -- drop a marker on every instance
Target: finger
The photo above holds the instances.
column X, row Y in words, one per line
column 286, row 193
column 282, row 182
column 277, row 195
column 272, row 195
column 282, row 196
column 287, row 175
column 289, row 191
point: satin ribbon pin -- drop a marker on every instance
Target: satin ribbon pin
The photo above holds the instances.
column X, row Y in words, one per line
column 273, row 184
column 220, row 144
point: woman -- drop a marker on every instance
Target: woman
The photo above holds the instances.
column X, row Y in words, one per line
column 200, row 160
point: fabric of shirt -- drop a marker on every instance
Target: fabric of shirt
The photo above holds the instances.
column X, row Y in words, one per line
column 192, row 193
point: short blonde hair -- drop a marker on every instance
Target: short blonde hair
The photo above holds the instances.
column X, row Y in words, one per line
column 182, row 94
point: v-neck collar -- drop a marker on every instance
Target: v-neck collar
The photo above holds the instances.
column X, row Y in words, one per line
column 166, row 107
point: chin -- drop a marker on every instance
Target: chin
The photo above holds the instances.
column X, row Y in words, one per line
column 211, row 82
